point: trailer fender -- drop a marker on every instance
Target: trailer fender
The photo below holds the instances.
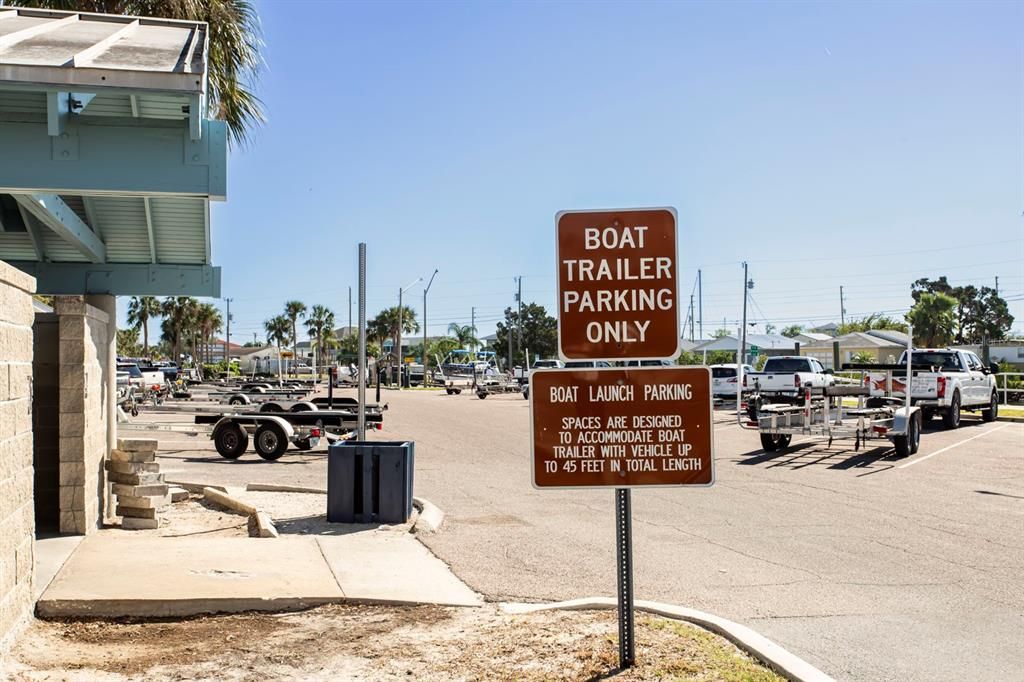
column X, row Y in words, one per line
column 289, row 430
column 901, row 419
column 239, row 399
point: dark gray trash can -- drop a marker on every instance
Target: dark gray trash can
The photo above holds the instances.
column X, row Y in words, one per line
column 370, row 481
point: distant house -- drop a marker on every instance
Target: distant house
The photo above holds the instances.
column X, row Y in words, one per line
column 765, row 344
column 831, row 329
column 807, row 338
column 882, row 346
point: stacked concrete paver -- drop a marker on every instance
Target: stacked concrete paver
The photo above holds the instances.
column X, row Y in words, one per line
column 138, row 484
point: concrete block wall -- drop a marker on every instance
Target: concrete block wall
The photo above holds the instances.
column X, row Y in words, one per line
column 83, row 413
column 17, row 513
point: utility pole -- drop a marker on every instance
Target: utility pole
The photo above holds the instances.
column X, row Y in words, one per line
column 398, row 339
column 743, row 332
column 691, row 317
column 842, row 307
column 997, row 285
column 472, row 324
column 700, row 303
column 349, row 330
column 227, row 341
column 519, row 334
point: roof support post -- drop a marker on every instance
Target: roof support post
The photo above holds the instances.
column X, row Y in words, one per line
column 149, row 230
column 51, row 211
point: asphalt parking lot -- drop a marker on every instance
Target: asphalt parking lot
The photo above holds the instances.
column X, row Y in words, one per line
column 869, row 566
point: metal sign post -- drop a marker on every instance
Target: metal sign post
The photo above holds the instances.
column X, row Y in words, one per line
column 624, row 555
column 362, row 342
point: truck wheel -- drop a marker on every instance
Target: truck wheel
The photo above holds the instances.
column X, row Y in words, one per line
column 775, row 442
column 231, row 441
column 271, row 407
column 270, row 441
column 990, row 414
column 951, row 417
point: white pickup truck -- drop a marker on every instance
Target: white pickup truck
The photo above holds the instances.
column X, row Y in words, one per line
column 945, row 382
column 784, row 378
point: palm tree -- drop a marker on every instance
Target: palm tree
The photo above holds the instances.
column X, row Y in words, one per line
column 465, row 334
column 140, row 310
column 386, row 322
column 320, row 325
column 278, row 328
column 179, row 313
column 208, row 322
column 293, row 310
column 234, row 59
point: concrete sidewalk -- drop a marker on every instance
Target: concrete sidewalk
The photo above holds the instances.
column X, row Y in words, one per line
column 114, row 574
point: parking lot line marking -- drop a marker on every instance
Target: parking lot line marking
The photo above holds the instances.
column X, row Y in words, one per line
column 950, row 447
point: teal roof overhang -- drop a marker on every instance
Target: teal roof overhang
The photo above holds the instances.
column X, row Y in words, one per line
column 108, row 164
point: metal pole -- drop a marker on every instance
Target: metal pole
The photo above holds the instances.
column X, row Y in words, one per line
column 691, row 317
column 349, row 330
column 426, row 360
column 472, row 324
column 362, row 342
column 624, row 555
column 743, row 331
column 842, row 307
column 227, row 341
column 398, row 340
column 519, row 333
column 700, row 303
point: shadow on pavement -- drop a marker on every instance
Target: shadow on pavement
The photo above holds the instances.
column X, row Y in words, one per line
column 992, row 492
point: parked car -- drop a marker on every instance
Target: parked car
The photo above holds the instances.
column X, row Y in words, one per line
column 586, row 364
column 783, row 378
column 548, row 364
column 945, row 382
column 725, row 379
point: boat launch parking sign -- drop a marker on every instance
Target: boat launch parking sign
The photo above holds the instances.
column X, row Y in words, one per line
column 617, row 284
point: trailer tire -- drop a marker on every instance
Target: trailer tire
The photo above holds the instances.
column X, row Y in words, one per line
column 775, row 442
column 238, row 400
column 481, row 395
column 908, row 444
column 449, row 391
column 231, row 441
column 271, row 441
column 951, row 417
column 990, row 414
column 526, row 393
column 271, row 407
column 303, row 444
column 303, row 407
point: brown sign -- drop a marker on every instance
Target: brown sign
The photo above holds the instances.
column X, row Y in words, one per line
column 617, row 284
column 645, row 426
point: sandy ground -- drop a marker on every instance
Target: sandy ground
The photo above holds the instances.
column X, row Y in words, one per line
column 377, row 643
column 195, row 516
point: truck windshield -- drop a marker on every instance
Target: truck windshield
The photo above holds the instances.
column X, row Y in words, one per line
column 787, row 365
column 133, row 371
column 722, row 372
column 944, row 360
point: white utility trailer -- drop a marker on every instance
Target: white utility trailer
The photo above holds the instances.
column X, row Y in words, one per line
column 822, row 413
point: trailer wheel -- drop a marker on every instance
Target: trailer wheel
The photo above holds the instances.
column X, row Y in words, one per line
column 990, row 414
column 775, row 442
column 303, row 444
column 238, row 400
column 271, row 407
column 481, row 395
column 526, row 393
column 231, row 441
column 449, row 391
column 908, row 444
column 270, row 441
column 303, row 407
column 458, row 391
column 951, row 417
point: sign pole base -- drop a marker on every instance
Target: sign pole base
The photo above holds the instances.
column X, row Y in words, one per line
column 624, row 555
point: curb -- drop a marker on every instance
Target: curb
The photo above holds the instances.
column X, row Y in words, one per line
column 197, row 488
column 789, row 665
column 225, row 500
column 430, row 518
column 274, row 488
column 1010, row 418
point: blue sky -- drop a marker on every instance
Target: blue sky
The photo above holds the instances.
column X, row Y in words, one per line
column 860, row 144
